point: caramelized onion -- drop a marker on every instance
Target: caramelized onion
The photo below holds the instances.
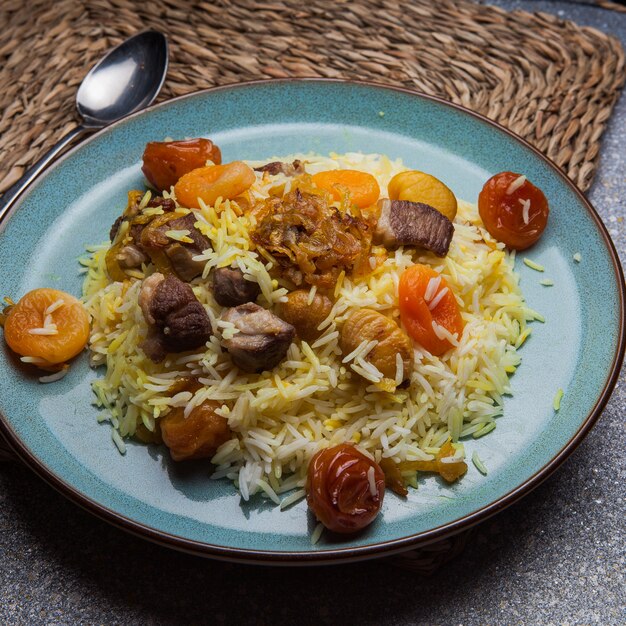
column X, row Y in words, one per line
column 311, row 240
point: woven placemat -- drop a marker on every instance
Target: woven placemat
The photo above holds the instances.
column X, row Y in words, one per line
column 549, row 80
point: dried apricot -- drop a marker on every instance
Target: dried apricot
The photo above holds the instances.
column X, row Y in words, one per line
column 425, row 299
column 164, row 162
column 345, row 488
column 210, row 183
column 513, row 210
column 362, row 187
column 368, row 325
column 303, row 315
column 417, row 186
column 47, row 324
column 197, row 436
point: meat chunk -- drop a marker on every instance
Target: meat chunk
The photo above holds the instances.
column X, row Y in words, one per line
column 146, row 239
column 131, row 256
column 128, row 252
column 177, row 321
column 115, row 227
column 413, row 224
column 146, row 295
column 181, row 254
column 186, row 222
column 132, row 209
column 156, row 243
column 230, row 288
column 167, row 204
column 197, row 436
column 181, row 258
column 262, row 340
column 278, row 167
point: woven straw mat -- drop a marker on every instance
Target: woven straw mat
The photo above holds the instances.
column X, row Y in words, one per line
column 549, row 80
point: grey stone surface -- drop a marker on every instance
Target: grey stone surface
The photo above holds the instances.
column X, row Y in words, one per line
column 557, row 557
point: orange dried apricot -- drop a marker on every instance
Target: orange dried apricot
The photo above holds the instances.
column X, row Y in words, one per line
column 362, row 187
column 418, row 314
column 47, row 324
column 210, row 183
column 197, row 436
column 416, row 186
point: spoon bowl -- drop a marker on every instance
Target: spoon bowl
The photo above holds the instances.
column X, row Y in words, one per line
column 127, row 79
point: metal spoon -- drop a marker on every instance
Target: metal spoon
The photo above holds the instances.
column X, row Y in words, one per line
column 127, row 79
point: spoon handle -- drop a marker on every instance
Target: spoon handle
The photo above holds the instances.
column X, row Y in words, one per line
column 11, row 195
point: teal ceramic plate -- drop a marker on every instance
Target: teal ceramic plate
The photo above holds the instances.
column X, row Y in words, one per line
column 579, row 348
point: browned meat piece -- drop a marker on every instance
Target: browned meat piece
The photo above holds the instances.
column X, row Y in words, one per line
column 230, row 288
column 146, row 295
column 134, row 198
column 197, row 436
column 181, row 258
column 277, row 167
column 116, row 227
column 262, row 340
column 130, row 256
column 177, row 321
column 403, row 223
column 186, row 222
column 167, row 204
column 135, row 229
column 144, row 239
column 181, row 254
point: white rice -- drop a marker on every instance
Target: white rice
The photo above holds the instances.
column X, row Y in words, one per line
column 533, row 265
column 516, row 184
column 34, row 360
column 296, row 496
column 432, row 305
column 480, row 466
column 52, row 378
column 399, row 369
column 55, row 306
column 48, row 327
column 431, row 288
column 371, row 481
column 362, row 350
column 525, row 210
column 45, row 330
column 318, row 397
column 317, row 533
column 180, row 235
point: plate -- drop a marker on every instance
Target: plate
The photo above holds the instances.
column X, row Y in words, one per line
column 579, row 348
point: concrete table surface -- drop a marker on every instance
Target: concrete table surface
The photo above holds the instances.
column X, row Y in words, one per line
column 557, row 557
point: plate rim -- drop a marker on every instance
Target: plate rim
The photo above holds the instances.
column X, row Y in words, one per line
column 374, row 549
